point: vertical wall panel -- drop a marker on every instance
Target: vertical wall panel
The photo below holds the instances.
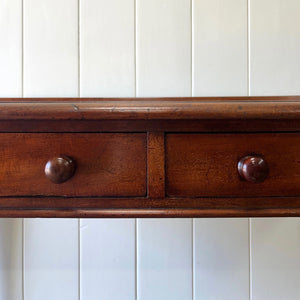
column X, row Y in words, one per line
column 51, row 69
column 274, row 47
column 107, row 52
column 11, row 86
column 276, row 258
column 164, row 259
column 11, row 259
column 107, row 259
column 221, row 254
column 50, row 48
column 11, row 48
column 163, row 48
column 164, row 247
column 221, row 259
column 275, row 70
column 50, row 259
column 220, row 48
column 107, row 64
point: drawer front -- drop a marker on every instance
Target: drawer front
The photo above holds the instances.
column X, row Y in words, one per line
column 207, row 165
column 106, row 164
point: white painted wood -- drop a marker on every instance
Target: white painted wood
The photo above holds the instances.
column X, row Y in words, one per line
column 50, row 259
column 220, row 48
column 275, row 70
column 107, row 69
column 274, row 47
column 164, row 259
column 11, row 241
column 10, row 48
column 107, row 259
column 221, row 259
column 50, row 48
column 275, row 258
column 163, row 48
column 11, row 259
column 51, row 69
column 107, row 52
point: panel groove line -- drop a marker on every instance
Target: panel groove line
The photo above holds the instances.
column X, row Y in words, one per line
column 274, row 29
column 248, row 94
column 163, row 48
column 220, row 48
column 11, row 254
column 275, row 258
column 107, row 69
column 164, row 246
column 107, row 54
column 79, row 95
column 221, row 259
column 250, row 257
column 274, row 47
column 221, row 248
column 51, row 70
column 192, row 94
column 23, row 221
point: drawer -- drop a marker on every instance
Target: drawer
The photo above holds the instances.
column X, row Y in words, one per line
column 206, row 165
column 106, row 164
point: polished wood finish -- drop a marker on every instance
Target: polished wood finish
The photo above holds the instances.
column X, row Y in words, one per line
column 148, row 213
column 106, row 164
column 60, row 169
column 161, row 157
column 212, row 126
column 205, row 165
column 149, row 109
column 156, row 165
column 253, row 169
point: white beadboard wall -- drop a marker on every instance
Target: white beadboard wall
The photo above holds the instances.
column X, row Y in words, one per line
column 129, row 48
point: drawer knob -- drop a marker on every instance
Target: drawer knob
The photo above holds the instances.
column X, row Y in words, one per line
column 253, row 169
column 60, row 169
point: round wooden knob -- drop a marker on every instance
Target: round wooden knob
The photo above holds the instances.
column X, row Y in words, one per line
column 60, row 169
column 253, row 169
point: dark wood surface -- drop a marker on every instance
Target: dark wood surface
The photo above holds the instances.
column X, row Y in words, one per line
column 156, row 165
column 60, row 169
column 149, row 109
column 206, row 165
column 253, row 168
column 160, row 157
column 106, row 164
column 148, row 213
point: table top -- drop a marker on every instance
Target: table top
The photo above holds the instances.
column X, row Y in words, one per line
column 190, row 108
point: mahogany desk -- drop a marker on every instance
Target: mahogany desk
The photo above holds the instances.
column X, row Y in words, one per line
column 167, row 157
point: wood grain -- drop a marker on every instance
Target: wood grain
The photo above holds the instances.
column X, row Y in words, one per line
column 206, row 165
column 107, row 164
column 279, row 125
column 149, row 213
column 121, row 169
column 135, row 203
column 161, row 108
column 156, row 165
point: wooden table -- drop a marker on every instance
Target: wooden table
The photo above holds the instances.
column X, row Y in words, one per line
column 158, row 157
